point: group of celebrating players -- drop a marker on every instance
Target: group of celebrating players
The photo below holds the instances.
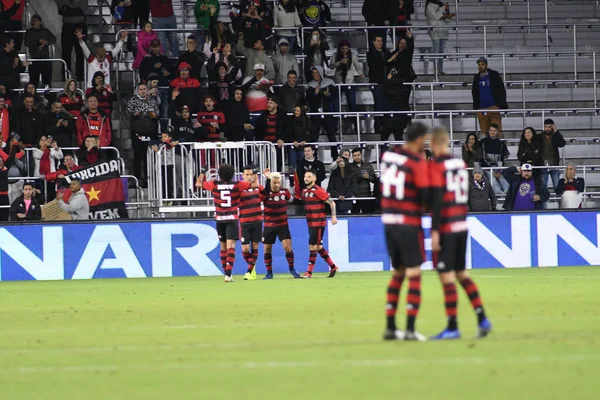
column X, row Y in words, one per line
column 241, row 202
column 410, row 186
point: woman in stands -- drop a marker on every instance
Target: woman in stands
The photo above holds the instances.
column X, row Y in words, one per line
column 298, row 132
column 315, row 53
column 286, row 16
column 437, row 14
column 71, row 99
column 40, row 103
column 530, row 149
column 347, row 67
column 90, row 153
column 471, row 151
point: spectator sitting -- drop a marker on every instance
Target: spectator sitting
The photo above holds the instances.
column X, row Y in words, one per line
column 498, row 183
column 321, row 96
column 570, row 189
column 238, row 117
column 471, row 151
column 71, row 99
column 488, row 94
column 291, row 94
column 283, row 62
column 38, row 41
column 299, row 129
column 493, row 150
column 365, row 176
column 40, row 103
column 530, row 149
column 481, row 194
column 225, row 57
column 315, row 53
column 314, row 13
column 94, row 122
column 342, row 185
column 89, row 152
column 185, row 90
column 346, row 67
column 308, row 162
column 27, row 122
column 185, row 128
column 10, row 65
column 146, row 38
column 255, row 89
column 222, row 87
column 525, row 193
column 5, row 126
column 205, row 11
column 100, row 61
column 192, row 57
column 552, row 140
column 12, row 153
column 26, row 207
column 256, row 55
column 286, row 16
column 59, row 125
column 143, row 113
column 78, row 206
column 103, row 93
column 212, row 120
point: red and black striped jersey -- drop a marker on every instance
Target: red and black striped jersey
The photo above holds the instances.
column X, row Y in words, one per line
column 404, row 187
column 271, row 128
column 226, row 197
column 250, row 208
column 314, row 206
column 276, row 208
column 450, row 194
column 206, row 118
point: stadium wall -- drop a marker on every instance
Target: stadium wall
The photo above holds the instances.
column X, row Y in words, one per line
column 158, row 248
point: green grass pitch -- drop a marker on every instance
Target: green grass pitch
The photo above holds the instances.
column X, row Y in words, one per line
column 198, row 338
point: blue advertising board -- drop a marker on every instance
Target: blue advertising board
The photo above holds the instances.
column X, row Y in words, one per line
column 136, row 249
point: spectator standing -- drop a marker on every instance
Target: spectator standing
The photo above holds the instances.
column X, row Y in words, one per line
column 525, row 193
column 89, row 152
column 46, row 156
column 212, row 119
column 163, row 17
column 146, row 37
column 251, row 26
column 238, row 117
column 570, row 189
column 222, row 88
column 168, row 148
column 402, row 10
column 40, row 103
column 365, row 176
column 59, row 125
column 5, row 125
column 78, row 206
column 321, row 96
column 308, row 162
column 220, row 36
column 286, row 16
column 298, row 131
column 315, row 48
column 256, row 88
column 223, row 56
column 143, row 112
column 155, row 62
column 185, row 90
column 397, row 96
column 10, row 64
column 377, row 13
column 342, row 185
column 194, row 58
column 256, row 55
column 206, row 11
column 488, row 94
column 552, row 140
column 284, row 61
column 12, row 153
column 73, row 14
column 471, row 151
column 314, row 13
column 185, row 128
column 530, row 149
column 402, row 59
column 94, row 122
column 15, row 22
column 270, row 127
column 101, row 60
column 27, row 122
column 377, row 59
column 38, row 41
column 347, row 67
column 437, row 15
column 71, row 99
column 4, row 204
column 103, row 92
column 26, row 207
column 481, row 195
column 493, row 150
column 291, row 94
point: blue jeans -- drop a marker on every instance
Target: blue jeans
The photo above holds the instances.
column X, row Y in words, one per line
column 350, row 92
column 554, row 174
column 439, row 47
column 167, row 23
column 295, row 154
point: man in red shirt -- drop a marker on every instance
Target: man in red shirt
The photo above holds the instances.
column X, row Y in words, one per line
column 314, row 199
column 251, row 217
column 212, row 119
column 226, row 194
column 449, row 233
column 404, row 190
column 94, row 122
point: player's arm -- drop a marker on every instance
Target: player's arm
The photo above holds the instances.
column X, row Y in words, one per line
column 333, row 211
column 201, row 183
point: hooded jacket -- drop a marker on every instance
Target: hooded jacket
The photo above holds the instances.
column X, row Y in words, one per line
column 284, row 63
column 105, row 96
column 87, row 124
column 18, row 207
column 32, row 42
column 285, row 19
column 190, row 91
column 78, row 206
column 195, row 60
column 254, row 57
column 481, row 195
column 321, row 102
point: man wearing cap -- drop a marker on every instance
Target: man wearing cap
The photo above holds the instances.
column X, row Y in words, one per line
column 283, row 62
column 525, row 193
column 185, row 90
column 254, row 56
column 552, row 140
column 38, row 41
column 101, row 60
column 255, row 89
column 488, row 94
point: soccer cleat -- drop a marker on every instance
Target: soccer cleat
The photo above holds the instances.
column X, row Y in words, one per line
column 253, row 274
column 269, row 275
column 306, row 275
column 416, row 336
column 295, row 274
column 485, row 327
column 446, row 335
column 228, row 278
column 390, row 334
column 332, row 272
column 248, row 276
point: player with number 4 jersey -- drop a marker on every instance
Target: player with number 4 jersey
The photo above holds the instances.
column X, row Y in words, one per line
column 449, row 233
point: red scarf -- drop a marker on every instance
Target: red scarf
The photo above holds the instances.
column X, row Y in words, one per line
column 45, row 162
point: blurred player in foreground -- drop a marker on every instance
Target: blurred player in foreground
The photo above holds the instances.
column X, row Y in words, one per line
column 251, row 217
column 449, row 233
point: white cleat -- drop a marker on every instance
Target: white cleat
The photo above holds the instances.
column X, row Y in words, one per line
column 416, row 336
column 228, row 278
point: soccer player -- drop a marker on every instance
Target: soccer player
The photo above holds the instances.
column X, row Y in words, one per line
column 449, row 234
column 226, row 195
column 251, row 217
column 404, row 189
column 314, row 199
column 276, row 200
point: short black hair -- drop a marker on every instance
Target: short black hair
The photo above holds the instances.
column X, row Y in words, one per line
column 377, row 36
column 309, row 145
column 292, row 72
column 356, row 149
column 226, row 172
column 27, row 184
column 28, row 96
column 193, row 37
column 76, row 179
column 312, row 171
column 89, row 96
column 142, row 83
column 6, row 41
column 167, row 133
column 548, row 121
column 251, row 167
column 415, row 131
column 494, row 125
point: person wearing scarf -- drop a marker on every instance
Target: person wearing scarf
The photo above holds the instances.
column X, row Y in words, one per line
column 46, row 156
column 481, row 195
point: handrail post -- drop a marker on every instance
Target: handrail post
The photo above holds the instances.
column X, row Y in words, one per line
column 485, row 38
column 594, row 78
column 451, row 129
column 504, row 67
column 457, row 25
column 546, row 21
column 575, row 50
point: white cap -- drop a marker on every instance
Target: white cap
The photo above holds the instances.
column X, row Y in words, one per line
column 259, row 66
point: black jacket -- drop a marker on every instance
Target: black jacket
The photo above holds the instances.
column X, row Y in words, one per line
column 9, row 75
column 184, row 131
column 148, row 66
column 531, row 152
column 378, row 65
column 514, row 180
column 28, row 124
column 196, row 60
column 303, row 166
column 342, row 185
column 261, row 125
column 498, row 90
column 298, row 129
column 18, row 207
column 290, row 97
column 403, row 62
column 32, row 42
column 558, row 141
column 493, row 151
column 396, row 93
column 376, row 12
column 64, row 136
column 578, row 182
column 237, row 115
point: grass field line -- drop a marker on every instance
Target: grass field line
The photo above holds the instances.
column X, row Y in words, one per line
column 268, row 365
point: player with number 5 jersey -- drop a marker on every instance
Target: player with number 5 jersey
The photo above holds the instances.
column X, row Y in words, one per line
column 226, row 194
column 404, row 191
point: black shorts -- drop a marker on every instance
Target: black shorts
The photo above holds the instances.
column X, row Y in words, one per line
column 453, row 255
column 251, row 233
column 316, row 236
column 272, row 233
column 228, row 230
column 405, row 245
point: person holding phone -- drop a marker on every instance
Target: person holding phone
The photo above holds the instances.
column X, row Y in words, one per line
column 552, row 140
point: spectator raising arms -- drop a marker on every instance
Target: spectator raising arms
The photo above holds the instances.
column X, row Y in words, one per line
column 481, row 195
column 570, row 189
column 26, row 207
column 402, row 58
column 315, row 48
column 101, row 60
column 222, row 87
column 256, row 55
column 205, row 11
column 46, row 156
column 89, row 152
column 38, row 41
column 471, row 151
column 94, row 122
column 347, row 67
column 220, row 36
column 71, row 99
column 488, row 94
column 145, row 38
column 223, row 56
